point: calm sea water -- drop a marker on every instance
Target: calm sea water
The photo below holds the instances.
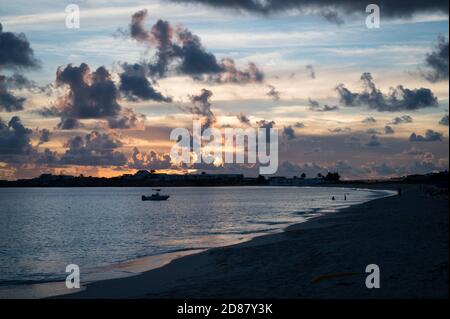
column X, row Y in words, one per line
column 45, row 229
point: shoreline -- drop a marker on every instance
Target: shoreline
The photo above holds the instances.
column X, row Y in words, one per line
column 140, row 265
column 263, row 267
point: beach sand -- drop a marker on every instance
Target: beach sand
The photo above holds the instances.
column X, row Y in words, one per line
column 406, row 236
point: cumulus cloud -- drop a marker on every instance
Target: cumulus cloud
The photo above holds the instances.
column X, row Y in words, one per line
column 179, row 49
column 15, row 51
column 340, row 130
column 399, row 98
column 317, row 107
column 388, row 130
column 273, row 93
column 369, row 120
column 265, row 124
column 92, row 95
column 289, row 132
column 430, row 136
column 15, row 54
column 126, row 119
column 231, row 74
column 15, row 139
column 148, row 161
column 330, row 10
column 243, row 119
column 135, row 85
column 44, row 136
column 437, row 62
column 16, row 149
column 201, row 107
column 401, row 120
column 94, row 149
column 444, row 120
column 8, row 101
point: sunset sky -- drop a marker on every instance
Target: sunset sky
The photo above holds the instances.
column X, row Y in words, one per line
column 102, row 99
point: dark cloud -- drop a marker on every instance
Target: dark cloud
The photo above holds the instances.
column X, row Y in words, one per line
column 401, row 120
column 311, row 71
column 331, row 10
column 15, row 51
column 18, row 81
column 289, row 132
column 179, row 48
column 15, row 54
column 15, row 139
column 127, row 119
column 374, row 141
column 135, row 85
column 369, row 120
column 388, row 130
column 331, row 15
column 231, row 74
column 195, row 61
column 94, row 149
column 69, row 124
column 437, row 62
column 444, row 120
column 149, row 161
column 92, row 95
column 8, row 101
column 47, row 157
column 316, row 107
column 44, row 136
column 16, row 148
column 299, row 125
column 273, row 93
column 430, row 136
column 201, row 107
column 265, row 124
column 243, row 119
column 340, row 130
column 399, row 98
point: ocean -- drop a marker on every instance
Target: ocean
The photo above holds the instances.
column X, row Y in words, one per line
column 45, row 229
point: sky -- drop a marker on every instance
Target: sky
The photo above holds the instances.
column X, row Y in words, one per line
column 102, row 99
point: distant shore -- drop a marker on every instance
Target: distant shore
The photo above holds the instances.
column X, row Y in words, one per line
column 406, row 236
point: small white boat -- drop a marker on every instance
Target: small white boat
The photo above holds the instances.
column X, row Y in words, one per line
column 156, row 196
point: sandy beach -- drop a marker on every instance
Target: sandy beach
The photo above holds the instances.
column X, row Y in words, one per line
column 406, row 236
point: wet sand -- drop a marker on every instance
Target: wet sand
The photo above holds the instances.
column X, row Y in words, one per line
column 406, row 236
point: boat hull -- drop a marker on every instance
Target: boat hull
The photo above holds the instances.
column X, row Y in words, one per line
column 155, row 198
